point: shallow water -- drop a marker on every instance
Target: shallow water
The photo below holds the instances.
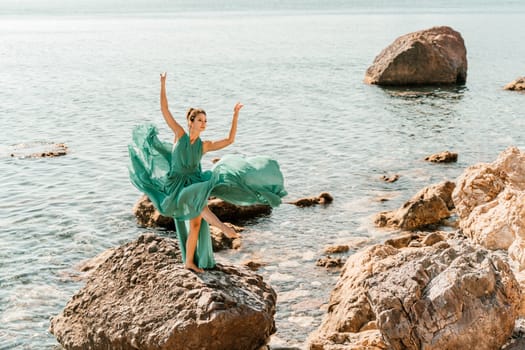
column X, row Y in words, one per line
column 86, row 79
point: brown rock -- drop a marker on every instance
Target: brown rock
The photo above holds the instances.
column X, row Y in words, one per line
column 516, row 85
column 254, row 265
column 427, row 207
column 435, row 297
column 433, row 56
column 490, row 202
column 322, row 198
column 443, row 157
column 141, row 297
column 220, row 241
column 365, row 340
column 148, row 216
column 235, row 213
column 402, row 241
column 390, row 179
column 329, row 262
column 433, row 238
column 336, row 249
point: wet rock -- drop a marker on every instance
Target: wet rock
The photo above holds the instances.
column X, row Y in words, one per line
column 330, row 262
column 516, row 85
column 322, row 198
column 390, row 179
column 433, row 56
column 434, row 297
column 38, row 150
column 148, row 216
column 336, row 249
column 143, row 298
column 443, row 157
column 428, row 207
column 254, row 265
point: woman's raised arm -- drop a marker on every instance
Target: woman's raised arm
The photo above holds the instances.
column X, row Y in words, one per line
column 216, row 145
column 172, row 123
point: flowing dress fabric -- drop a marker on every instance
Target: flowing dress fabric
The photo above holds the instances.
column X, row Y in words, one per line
column 172, row 177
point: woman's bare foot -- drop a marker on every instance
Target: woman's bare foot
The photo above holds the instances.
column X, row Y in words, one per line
column 230, row 232
column 193, row 268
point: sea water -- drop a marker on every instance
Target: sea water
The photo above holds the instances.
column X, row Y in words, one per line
column 84, row 73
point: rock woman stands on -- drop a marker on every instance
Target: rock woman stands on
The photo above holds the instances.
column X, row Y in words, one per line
column 171, row 176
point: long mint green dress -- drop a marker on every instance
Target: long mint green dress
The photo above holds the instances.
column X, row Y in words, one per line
column 172, row 177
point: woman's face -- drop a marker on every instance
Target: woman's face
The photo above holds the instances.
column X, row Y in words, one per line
column 199, row 123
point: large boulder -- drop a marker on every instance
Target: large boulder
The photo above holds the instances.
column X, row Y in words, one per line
column 490, row 203
column 443, row 295
column 141, row 297
column 427, row 207
column 433, row 56
column 148, row 216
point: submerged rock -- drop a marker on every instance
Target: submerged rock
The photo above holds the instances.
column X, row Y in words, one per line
column 38, row 150
column 428, row 207
column 441, row 296
column 322, row 198
column 390, row 179
column 433, row 56
column 141, row 297
column 490, row 203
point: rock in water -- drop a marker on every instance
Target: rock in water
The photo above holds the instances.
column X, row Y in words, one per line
column 427, row 207
column 516, row 85
column 443, row 157
column 148, row 216
column 141, row 297
column 433, row 56
column 450, row 295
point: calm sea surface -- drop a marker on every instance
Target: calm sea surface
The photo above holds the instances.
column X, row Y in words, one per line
column 85, row 75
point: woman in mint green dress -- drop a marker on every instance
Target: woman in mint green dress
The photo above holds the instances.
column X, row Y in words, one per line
column 171, row 176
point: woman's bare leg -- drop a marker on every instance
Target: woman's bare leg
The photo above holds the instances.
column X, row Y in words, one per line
column 191, row 244
column 213, row 220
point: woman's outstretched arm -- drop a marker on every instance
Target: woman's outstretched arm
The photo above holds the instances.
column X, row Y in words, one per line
column 172, row 123
column 216, row 145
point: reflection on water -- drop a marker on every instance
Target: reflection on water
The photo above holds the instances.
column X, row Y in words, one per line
column 446, row 92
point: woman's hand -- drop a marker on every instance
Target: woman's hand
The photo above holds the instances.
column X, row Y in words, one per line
column 163, row 78
column 237, row 107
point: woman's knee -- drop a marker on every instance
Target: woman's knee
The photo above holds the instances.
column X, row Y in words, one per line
column 195, row 222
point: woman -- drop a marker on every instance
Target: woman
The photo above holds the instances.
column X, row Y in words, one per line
column 172, row 177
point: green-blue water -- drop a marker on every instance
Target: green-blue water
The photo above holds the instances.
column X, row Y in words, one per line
column 85, row 74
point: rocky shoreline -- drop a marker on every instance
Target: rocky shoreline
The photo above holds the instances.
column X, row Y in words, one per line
column 423, row 289
column 427, row 288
